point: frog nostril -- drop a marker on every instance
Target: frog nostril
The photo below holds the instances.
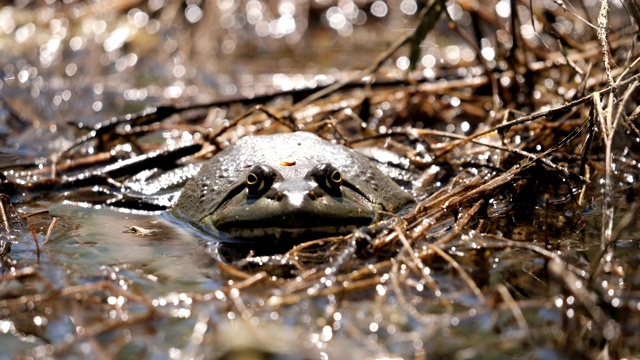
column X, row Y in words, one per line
column 312, row 195
column 279, row 196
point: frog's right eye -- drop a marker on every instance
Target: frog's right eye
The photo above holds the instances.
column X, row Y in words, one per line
column 259, row 179
column 328, row 178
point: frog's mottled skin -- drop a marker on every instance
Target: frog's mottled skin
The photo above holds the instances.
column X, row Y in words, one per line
column 296, row 202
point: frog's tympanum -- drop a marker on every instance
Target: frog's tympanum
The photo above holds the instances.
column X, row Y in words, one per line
column 285, row 186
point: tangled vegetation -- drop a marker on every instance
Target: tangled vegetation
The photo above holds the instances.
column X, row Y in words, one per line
column 524, row 241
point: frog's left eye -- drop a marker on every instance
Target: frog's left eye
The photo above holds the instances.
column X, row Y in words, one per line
column 259, row 179
column 328, row 177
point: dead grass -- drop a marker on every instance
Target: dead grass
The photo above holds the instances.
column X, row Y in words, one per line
column 525, row 167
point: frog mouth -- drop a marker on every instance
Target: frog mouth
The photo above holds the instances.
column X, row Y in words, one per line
column 288, row 233
column 301, row 213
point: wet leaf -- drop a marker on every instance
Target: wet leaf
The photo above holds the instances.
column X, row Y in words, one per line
column 428, row 19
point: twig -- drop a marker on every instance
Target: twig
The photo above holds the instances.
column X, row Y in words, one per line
column 3, row 214
column 577, row 287
column 630, row 217
column 603, row 26
column 415, row 262
column 434, row 321
column 515, row 309
column 463, row 274
column 54, row 221
column 354, row 77
column 556, row 110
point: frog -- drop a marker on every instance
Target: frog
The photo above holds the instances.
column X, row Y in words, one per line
column 287, row 186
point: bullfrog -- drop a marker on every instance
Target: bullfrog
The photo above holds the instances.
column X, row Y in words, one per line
column 287, row 186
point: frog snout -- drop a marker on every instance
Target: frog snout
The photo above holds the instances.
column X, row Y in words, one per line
column 296, row 192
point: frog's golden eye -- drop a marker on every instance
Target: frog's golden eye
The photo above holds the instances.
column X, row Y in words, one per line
column 335, row 179
column 328, row 177
column 259, row 179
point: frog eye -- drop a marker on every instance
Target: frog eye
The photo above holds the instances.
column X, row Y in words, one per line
column 334, row 180
column 328, row 177
column 259, row 179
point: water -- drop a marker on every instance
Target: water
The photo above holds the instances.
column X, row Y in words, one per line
column 97, row 282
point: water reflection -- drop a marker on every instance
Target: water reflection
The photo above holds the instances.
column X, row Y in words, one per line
column 102, row 239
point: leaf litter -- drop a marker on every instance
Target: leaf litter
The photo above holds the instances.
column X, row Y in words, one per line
column 523, row 242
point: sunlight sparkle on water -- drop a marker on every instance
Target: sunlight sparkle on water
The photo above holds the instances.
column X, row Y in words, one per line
column 408, row 7
column 379, row 9
column 174, row 91
column 488, row 53
column 117, row 38
column 40, row 321
column 373, row 327
column 558, row 302
column 24, row 32
column 7, row 327
column 7, row 24
column 527, row 31
column 181, row 313
column 327, row 333
column 503, row 9
column 452, row 54
column 428, row 61
column 282, row 26
column 615, row 302
column 175, row 353
column 193, row 13
column 570, row 300
column 403, row 63
column 138, row 17
column 455, row 11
